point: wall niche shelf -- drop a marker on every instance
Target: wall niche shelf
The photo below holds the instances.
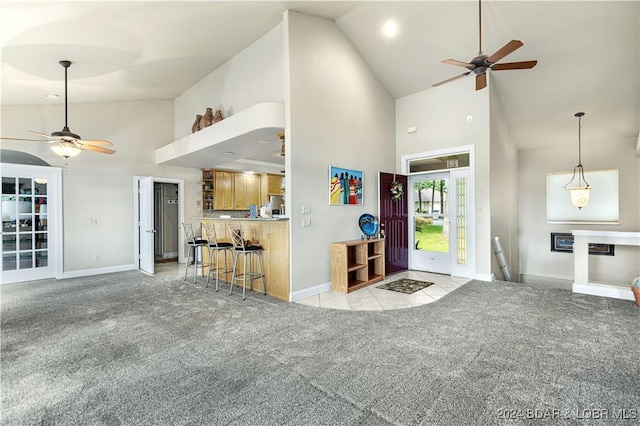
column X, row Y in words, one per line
column 233, row 138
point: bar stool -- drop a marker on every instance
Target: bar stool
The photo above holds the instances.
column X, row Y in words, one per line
column 247, row 252
column 195, row 245
column 217, row 247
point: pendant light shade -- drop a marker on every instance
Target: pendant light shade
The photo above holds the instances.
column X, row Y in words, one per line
column 579, row 192
column 66, row 150
column 579, row 196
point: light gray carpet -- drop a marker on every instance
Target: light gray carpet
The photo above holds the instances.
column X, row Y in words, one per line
column 130, row 349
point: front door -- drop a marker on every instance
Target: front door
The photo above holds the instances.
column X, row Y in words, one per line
column 395, row 220
column 430, row 236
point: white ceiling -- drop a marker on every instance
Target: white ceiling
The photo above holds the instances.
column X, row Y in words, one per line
column 588, row 53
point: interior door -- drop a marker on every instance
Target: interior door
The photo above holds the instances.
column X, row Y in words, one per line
column 395, row 220
column 146, row 230
column 31, row 230
column 430, row 237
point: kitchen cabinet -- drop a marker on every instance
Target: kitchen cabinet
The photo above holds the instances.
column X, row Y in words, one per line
column 223, row 190
column 271, row 185
column 207, row 189
column 246, row 191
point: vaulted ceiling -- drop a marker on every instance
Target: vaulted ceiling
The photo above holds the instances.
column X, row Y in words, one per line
column 588, row 53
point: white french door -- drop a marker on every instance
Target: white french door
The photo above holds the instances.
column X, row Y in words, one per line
column 31, row 222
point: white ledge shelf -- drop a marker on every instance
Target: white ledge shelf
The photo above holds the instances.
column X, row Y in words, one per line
column 581, row 240
column 251, row 133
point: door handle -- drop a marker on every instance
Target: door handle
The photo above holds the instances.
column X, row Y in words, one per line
column 151, row 231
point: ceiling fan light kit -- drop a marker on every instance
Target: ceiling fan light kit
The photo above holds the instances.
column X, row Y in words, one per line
column 67, row 143
column 580, row 192
column 65, row 149
column 483, row 63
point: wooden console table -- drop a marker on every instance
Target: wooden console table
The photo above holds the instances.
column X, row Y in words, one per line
column 356, row 264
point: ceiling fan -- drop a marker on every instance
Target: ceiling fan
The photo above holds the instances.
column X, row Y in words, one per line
column 482, row 63
column 68, row 144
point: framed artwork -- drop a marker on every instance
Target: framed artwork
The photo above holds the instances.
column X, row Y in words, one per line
column 346, row 187
column 563, row 242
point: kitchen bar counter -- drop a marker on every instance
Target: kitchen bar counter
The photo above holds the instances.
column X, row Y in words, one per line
column 273, row 235
column 256, row 219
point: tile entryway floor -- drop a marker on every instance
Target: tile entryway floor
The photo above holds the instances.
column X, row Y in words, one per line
column 372, row 298
column 368, row 298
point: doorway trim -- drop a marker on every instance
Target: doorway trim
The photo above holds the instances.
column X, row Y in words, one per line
column 404, row 169
column 136, row 212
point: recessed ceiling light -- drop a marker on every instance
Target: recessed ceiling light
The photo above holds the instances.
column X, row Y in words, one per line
column 52, row 96
column 229, row 153
column 390, row 29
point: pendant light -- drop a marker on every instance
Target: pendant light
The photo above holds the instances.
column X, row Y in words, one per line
column 580, row 192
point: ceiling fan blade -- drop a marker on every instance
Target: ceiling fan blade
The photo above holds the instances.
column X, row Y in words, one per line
column 44, row 135
column 504, row 51
column 452, row 78
column 481, row 81
column 457, row 63
column 96, row 142
column 96, row 148
column 20, row 139
column 524, row 65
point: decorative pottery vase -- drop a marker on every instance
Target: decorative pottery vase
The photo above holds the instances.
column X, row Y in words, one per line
column 196, row 124
column 207, row 119
column 217, row 116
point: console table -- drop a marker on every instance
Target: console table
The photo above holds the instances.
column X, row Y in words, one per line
column 581, row 240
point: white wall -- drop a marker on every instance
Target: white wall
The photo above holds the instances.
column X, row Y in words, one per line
column 338, row 113
column 440, row 115
column 253, row 76
column 504, row 189
column 97, row 185
column 537, row 263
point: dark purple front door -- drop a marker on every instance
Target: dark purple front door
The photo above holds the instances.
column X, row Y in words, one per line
column 395, row 219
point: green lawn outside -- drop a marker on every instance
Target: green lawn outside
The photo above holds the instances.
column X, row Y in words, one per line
column 430, row 238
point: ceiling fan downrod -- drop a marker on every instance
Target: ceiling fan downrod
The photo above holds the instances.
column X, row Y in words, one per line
column 66, row 65
column 65, row 132
column 480, row 27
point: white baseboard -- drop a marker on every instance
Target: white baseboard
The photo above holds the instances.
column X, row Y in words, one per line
column 98, row 271
column 308, row 292
column 547, row 280
column 604, row 290
column 484, row 277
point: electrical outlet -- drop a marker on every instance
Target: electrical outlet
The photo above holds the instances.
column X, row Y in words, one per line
column 306, row 222
column 97, row 256
column 93, row 221
column 306, row 209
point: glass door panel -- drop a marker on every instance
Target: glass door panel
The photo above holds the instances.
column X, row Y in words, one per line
column 25, row 232
column 431, row 222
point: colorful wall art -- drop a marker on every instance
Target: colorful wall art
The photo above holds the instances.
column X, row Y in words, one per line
column 345, row 187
